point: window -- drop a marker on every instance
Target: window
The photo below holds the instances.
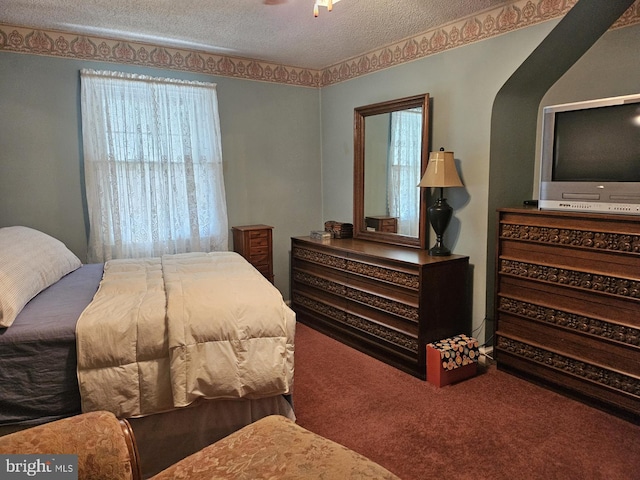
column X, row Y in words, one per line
column 403, row 196
column 153, row 166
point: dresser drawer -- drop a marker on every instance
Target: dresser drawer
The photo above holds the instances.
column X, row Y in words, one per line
column 261, row 257
column 263, row 268
column 258, row 239
column 388, row 225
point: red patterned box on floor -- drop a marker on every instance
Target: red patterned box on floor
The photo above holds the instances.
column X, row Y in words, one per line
column 452, row 360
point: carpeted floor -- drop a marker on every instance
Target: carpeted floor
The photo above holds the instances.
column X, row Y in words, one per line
column 493, row 426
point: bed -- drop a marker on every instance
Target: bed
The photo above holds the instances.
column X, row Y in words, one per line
column 39, row 345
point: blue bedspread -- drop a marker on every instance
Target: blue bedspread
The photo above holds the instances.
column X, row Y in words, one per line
column 38, row 381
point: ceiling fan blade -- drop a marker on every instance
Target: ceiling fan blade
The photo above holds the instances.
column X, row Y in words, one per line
column 274, row 2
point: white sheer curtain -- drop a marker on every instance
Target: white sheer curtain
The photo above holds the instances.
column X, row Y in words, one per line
column 403, row 195
column 153, row 166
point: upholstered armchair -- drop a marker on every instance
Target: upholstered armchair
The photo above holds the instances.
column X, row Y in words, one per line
column 105, row 446
column 271, row 448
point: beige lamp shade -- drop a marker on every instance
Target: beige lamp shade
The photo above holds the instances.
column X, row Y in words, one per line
column 441, row 171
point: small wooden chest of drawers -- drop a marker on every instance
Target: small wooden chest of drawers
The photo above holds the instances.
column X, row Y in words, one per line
column 382, row 224
column 254, row 242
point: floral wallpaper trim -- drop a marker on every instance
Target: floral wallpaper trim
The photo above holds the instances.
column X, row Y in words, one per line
column 515, row 15
column 82, row 47
column 510, row 17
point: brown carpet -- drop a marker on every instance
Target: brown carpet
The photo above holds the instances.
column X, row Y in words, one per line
column 493, row 426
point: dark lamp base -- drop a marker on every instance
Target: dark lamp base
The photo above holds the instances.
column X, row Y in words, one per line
column 439, row 216
column 439, row 251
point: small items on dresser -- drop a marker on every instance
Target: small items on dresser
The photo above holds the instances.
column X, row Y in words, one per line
column 320, row 235
column 452, row 360
column 339, row 229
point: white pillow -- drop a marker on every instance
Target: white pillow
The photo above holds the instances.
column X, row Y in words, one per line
column 30, row 261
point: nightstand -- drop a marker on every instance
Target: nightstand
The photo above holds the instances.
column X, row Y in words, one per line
column 254, row 242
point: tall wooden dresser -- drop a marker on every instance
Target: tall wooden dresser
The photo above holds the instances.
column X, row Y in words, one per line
column 387, row 301
column 255, row 243
column 568, row 304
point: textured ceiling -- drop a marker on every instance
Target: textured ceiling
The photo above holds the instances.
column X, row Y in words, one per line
column 278, row 31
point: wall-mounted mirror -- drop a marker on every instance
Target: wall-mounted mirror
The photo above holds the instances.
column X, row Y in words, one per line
column 391, row 145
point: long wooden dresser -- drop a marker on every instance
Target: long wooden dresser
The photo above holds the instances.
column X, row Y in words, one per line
column 387, row 301
column 568, row 304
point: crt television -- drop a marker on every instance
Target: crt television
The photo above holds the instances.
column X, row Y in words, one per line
column 590, row 156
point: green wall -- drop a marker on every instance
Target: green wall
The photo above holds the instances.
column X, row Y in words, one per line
column 288, row 151
column 270, row 147
column 463, row 84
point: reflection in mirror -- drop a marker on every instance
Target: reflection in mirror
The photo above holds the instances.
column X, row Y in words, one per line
column 391, row 146
column 392, row 170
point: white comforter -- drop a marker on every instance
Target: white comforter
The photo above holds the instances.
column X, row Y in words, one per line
column 162, row 332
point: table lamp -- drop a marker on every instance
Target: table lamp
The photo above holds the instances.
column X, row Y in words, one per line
column 441, row 172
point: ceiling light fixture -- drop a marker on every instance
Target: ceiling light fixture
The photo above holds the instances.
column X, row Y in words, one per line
column 323, row 3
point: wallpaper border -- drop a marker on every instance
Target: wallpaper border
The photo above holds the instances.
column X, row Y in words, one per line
column 488, row 24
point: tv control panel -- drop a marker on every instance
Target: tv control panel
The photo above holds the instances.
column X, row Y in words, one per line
column 595, row 207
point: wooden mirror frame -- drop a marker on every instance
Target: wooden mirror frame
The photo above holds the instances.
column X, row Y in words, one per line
column 360, row 115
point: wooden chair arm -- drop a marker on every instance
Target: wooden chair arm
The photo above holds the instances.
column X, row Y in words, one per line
column 130, row 440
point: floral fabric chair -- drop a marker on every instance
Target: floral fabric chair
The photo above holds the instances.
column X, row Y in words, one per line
column 271, row 448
